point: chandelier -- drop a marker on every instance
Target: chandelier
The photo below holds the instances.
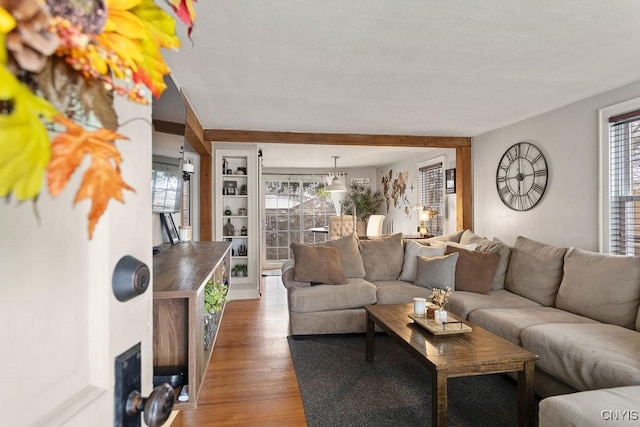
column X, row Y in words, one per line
column 335, row 179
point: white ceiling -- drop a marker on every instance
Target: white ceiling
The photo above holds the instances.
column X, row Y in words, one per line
column 420, row 67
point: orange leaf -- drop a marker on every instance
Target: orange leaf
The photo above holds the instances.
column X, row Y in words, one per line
column 100, row 183
column 102, row 180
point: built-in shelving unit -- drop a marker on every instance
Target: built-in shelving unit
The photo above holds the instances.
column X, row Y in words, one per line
column 236, row 215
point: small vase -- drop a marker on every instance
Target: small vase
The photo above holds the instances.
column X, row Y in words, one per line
column 228, row 228
column 440, row 316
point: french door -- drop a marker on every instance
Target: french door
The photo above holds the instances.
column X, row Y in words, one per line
column 293, row 205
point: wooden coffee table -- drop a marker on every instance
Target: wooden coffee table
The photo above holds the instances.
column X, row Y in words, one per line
column 478, row 352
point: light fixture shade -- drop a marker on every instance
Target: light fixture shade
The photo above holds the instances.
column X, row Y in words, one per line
column 336, row 185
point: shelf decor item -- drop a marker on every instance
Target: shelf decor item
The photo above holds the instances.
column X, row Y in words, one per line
column 228, row 228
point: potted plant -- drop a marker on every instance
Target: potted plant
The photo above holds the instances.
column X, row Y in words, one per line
column 240, row 270
column 365, row 201
column 215, row 297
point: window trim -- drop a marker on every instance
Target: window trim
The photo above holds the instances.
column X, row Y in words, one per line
column 604, row 200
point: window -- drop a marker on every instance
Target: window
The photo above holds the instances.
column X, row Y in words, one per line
column 432, row 195
column 624, row 184
column 293, row 205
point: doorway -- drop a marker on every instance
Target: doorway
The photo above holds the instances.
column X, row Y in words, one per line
column 293, row 205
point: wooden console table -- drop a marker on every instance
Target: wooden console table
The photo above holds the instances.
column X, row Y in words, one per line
column 180, row 273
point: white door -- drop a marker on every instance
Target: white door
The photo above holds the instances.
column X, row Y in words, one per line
column 61, row 326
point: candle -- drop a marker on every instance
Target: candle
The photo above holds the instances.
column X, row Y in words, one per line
column 419, row 306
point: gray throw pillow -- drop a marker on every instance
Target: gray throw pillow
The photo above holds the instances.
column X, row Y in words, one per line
column 437, row 272
column 350, row 257
column 382, row 257
column 412, row 251
column 535, row 271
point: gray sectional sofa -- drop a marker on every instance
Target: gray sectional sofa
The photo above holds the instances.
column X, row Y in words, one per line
column 578, row 310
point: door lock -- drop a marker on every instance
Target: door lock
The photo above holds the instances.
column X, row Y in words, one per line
column 131, row 277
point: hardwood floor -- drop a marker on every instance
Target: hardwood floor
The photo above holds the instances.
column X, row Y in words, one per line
column 250, row 378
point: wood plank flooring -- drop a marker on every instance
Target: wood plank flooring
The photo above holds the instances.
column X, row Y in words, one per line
column 250, row 378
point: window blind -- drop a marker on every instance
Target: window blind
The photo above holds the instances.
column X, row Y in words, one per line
column 432, row 195
column 624, row 183
column 185, row 212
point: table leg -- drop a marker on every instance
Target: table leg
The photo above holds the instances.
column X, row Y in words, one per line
column 526, row 395
column 371, row 339
column 439, row 398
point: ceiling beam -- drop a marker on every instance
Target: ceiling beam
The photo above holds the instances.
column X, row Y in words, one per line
column 194, row 134
column 227, row 135
column 172, row 128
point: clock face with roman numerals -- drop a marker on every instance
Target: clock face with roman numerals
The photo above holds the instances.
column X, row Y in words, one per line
column 522, row 175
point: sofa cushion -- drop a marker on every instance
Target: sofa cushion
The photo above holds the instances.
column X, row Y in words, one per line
column 474, row 270
column 535, row 271
column 610, row 406
column 510, row 322
column 586, row 356
column 382, row 257
column 491, row 246
column 355, row 294
column 603, row 287
column 399, row 292
column 350, row 257
column 462, row 303
column 437, row 272
column 317, row 264
column 411, row 252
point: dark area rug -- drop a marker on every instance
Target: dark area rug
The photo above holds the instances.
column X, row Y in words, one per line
column 339, row 388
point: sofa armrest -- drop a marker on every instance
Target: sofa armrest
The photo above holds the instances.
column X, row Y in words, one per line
column 287, row 276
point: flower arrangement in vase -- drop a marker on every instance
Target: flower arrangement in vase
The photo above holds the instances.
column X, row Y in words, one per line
column 440, row 297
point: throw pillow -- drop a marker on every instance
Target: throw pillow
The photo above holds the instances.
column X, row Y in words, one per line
column 441, row 244
column 350, row 257
column 495, row 246
column 412, row 251
column 601, row 286
column 535, row 271
column 382, row 257
column 436, row 272
column 451, row 237
column 474, row 270
column 317, row 264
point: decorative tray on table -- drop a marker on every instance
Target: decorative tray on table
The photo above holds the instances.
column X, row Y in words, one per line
column 447, row 328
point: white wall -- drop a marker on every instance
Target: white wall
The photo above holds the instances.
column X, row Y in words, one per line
column 397, row 220
column 568, row 213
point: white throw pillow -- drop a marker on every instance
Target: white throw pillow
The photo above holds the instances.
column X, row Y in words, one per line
column 469, row 247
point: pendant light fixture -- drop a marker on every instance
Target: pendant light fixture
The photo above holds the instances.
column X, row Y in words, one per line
column 337, row 185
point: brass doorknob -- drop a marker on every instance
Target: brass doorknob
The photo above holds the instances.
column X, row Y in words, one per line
column 156, row 408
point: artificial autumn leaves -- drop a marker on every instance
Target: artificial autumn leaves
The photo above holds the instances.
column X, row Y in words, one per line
column 101, row 181
column 104, row 48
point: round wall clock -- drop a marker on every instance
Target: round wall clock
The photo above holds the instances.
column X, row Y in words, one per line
column 521, row 178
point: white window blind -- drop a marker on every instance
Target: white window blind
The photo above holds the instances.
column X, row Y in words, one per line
column 432, row 195
column 185, row 212
column 624, row 183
